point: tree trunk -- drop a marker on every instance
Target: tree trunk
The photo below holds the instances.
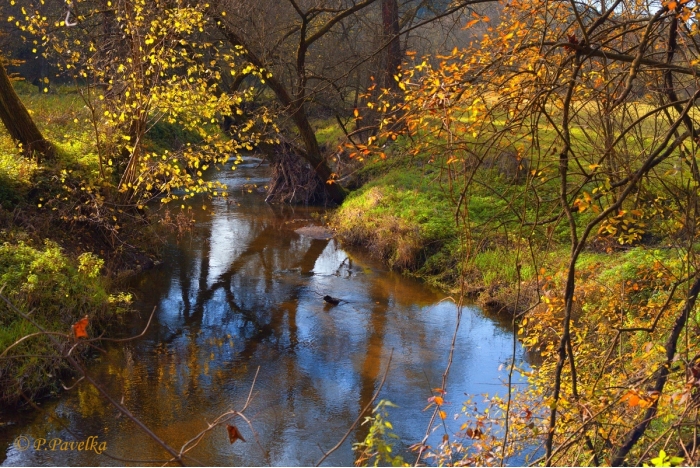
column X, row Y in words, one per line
column 18, row 122
column 390, row 23
column 313, row 155
column 297, row 113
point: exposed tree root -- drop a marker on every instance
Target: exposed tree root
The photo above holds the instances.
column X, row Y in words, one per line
column 294, row 181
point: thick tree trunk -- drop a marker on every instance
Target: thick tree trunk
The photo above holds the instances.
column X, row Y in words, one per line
column 18, row 122
column 313, row 154
column 390, row 23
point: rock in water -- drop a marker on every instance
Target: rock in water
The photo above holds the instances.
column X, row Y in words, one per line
column 315, row 232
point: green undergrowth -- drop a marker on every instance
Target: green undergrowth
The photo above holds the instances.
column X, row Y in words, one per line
column 328, row 132
column 164, row 136
column 55, row 291
column 15, row 174
column 406, row 220
column 61, row 280
column 405, row 213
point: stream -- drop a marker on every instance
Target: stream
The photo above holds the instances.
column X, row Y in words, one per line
column 244, row 294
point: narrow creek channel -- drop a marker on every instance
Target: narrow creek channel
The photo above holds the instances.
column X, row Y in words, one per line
column 243, row 292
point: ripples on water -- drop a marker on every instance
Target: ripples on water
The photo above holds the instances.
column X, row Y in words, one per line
column 244, row 291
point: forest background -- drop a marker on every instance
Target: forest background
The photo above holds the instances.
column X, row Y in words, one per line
column 540, row 157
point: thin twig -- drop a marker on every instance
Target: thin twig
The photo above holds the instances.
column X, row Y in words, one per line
column 359, row 416
column 227, row 416
column 443, row 387
column 30, row 336
column 120, row 340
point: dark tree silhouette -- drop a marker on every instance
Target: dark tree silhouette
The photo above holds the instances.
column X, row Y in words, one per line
column 19, row 123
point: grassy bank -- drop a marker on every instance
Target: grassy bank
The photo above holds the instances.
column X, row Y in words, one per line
column 406, row 214
column 413, row 213
column 404, row 218
column 61, row 244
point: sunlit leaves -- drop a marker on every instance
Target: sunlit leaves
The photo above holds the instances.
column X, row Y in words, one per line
column 157, row 66
column 378, row 446
column 577, row 103
column 665, row 460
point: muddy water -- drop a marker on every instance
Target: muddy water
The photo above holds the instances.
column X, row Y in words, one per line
column 243, row 293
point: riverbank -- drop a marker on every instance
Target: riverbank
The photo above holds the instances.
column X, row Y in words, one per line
column 412, row 212
column 505, row 241
column 405, row 213
column 65, row 244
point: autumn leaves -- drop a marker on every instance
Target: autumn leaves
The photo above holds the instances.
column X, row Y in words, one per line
column 80, row 328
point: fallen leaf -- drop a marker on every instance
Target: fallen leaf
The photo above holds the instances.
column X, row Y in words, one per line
column 233, row 433
column 80, row 328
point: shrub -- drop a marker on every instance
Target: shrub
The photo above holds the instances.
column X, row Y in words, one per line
column 46, row 284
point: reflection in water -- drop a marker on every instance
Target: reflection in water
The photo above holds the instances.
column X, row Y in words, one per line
column 246, row 291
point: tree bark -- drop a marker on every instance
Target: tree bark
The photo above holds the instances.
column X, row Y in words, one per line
column 390, row 23
column 19, row 123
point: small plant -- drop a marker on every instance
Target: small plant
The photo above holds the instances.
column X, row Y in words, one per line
column 45, row 282
column 90, row 264
column 377, row 447
column 665, row 460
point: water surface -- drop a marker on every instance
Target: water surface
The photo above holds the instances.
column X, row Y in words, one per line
column 242, row 293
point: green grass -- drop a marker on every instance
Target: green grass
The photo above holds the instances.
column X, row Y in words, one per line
column 328, row 132
column 405, row 214
column 16, row 174
column 167, row 136
column 402, row 218
column 498, row 266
